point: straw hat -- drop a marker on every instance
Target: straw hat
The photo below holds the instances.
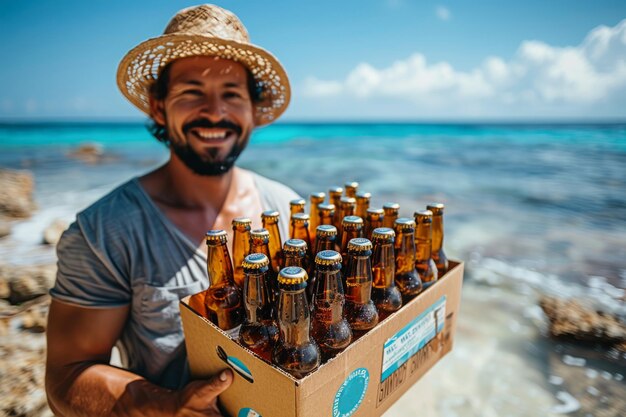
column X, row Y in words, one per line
column 205, row 30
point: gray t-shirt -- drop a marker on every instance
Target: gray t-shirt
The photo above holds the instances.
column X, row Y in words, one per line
column 123, row 250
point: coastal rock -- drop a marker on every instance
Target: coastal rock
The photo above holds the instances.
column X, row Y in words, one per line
column 571, row 320
column 91, row 153
column 53, row 232
column 5, row 229
column 27, row 282
column 16, row 193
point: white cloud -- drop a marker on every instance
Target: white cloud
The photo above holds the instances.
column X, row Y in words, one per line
column 443, row 13
column 539, row 76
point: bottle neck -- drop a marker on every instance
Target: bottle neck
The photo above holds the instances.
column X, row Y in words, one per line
column 383, row 265
column 389, row 219
column 259, row 246
column 347, row 236
column 326, row 218
column 423, row 242
column 405, row 253
column 300, row 231
column 275, row 244
column 361, row 208
column 219, row 266
column 324, row 243
column 294, row 259
column 359, row 279
column 329, row 295
column 437, row 236
column 293, row 317
column 256, row 296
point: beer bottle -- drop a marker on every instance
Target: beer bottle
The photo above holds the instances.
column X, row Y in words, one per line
column 314, row 221
column 326, row 213
column 241, row 246
column 334, row 197
column 373, row 220
column 223, row 298
column 385, row 294
column 330, row 329
column 407, row 278
column 325, row 238
column 351, row 188
column 259, row 331
column 391, row 211
column 259, row 243
column 295, row 252
column 362, row 203
column 270, row 222
column 347, row 207
column 300, row 223
column 438, row 254
column 352, row 227
column 295, row 206
column 296, row 352
column 360, row 309
column 424, row 263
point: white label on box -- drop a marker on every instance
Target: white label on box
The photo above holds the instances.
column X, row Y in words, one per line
column 413, row 337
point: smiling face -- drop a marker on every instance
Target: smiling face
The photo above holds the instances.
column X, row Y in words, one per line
column 208, row 112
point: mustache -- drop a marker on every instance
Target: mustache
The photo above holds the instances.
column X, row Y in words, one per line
column 224, row 124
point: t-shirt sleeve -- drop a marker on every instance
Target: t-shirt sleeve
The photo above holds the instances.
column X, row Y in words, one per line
column 84, row 276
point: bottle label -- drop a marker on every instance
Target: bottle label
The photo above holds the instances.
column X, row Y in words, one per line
column 412, row 338
column 234, row 332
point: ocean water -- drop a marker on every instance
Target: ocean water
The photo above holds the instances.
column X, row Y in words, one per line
column 544, row 204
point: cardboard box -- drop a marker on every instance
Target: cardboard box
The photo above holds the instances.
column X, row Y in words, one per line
column 364, row 380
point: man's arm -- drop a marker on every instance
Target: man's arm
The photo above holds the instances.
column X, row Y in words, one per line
column 80, row 382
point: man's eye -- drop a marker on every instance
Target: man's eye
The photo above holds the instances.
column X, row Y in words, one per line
column 232, row 94
column 192, row 92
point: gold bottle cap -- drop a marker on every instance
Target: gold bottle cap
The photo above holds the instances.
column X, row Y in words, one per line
column 326, row 208
column 270, row 215
column 391, row 207
column 294, row 246
column 298, row 202
column 436, row 208
column 375, row 213
column 216, row 237
column 351, row 184
column 292, row 275
column 241, row 221
column 347, row 201
column 423, row 216
column 300, row 217
column 317, row 198
column 352, row 222
column 335, row 191
column 328, row 257
column 361, row 195
column 255, row 261
column 326, row 230
column 359, row 244
column 404, row 224
column 260, row 234
column 384, row 234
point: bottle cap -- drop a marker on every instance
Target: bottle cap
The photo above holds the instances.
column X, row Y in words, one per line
column 216, row 237
column 328, row 257
column 255, row 261
column 359, row 244
column 300, row 217
column 326, row 208
column 294, row 246
column 436, row 208
column 352, row 222
column 423, row 216
column 361, row 195
column 270, row 214
column 298, row 202
column 326, row 230
column 260, row 234
column 375, row 213
column 317, row 198
column 391, row 207
column 347, row 201
column 351, row 184
column 404, row 224
column 384, row 234
column 335, row 191
column 292, row 277
column 242, row 222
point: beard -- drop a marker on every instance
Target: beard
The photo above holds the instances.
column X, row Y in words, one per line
column 211, row 164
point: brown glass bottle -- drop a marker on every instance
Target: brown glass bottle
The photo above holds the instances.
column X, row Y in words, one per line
column 334, row 198
column 373, row 220
column 385, row 294
column 300, row 224
column 326, row 213
column 270, row 222
column 316, row 199
column 361, row 312
column 438, row 254
column 259, row 243
column 352, row 228
column 329, row 328
column 362, row 203
column 407, row 278
column 325, row 240
column 223, row 298
column 241, row 246
column 391, row 211
column 259, row 331
column 347, row 207
column 295, row 206
column 296, row 352
column 295, row 252
column 351, row 188
column 424, row 263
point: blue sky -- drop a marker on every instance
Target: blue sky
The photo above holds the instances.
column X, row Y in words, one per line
column 347, row 60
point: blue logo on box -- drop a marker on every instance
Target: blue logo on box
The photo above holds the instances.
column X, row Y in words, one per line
column 351, row 393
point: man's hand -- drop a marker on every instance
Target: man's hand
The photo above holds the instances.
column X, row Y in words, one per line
column 199, row 398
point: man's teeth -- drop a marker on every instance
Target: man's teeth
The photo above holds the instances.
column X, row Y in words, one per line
column 211, row 135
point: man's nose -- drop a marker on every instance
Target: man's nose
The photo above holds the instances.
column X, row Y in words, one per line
column 213, row 108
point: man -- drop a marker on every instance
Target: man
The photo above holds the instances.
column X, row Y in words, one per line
column 128, row 259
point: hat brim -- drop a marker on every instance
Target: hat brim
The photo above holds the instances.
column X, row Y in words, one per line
column 141, row 66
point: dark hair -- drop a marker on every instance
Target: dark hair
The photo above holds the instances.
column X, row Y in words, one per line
column 158, row 91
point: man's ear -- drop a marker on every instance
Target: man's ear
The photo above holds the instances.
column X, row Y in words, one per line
column 157, row 111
